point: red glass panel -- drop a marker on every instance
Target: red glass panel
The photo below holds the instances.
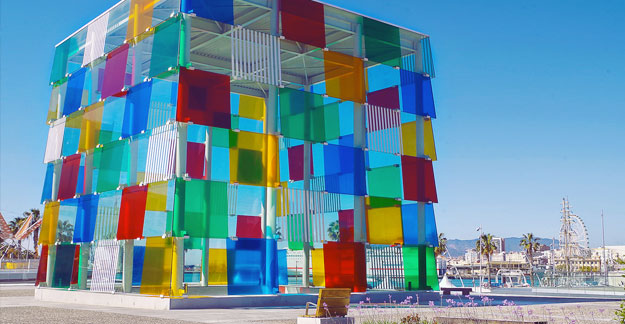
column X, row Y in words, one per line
column 345, row 266
column 346, row 225
column 418, row 177
column 43, row 265
column 388, row 98
column 74, row 279
column 204, row 98
column 195, row 160
column 69, row 177
column 296, row 162
column 249, row 227
column 132, row 213
column 303, row 21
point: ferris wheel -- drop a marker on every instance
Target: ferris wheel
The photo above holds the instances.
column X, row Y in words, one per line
column 573, row 233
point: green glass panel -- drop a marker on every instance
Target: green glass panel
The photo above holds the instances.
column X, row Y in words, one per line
column 250, row 167
column 419, row 268
column 432, row 275
column 110, row 157
column 59, row 66
column 382, row 43
column 304, row 116
column 221, row 137
column 411, row 267
column 384, row 182
column 201, row 209
column 165, row 47
column 381, row 202
column 194, row 243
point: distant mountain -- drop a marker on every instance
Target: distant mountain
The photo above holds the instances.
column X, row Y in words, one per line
column 458, row 247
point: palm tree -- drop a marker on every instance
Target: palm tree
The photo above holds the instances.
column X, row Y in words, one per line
column 530, row 244
column 65, row 231
column 333, row 231
column 36, row 216
column 15, row 225
column 442, row 245
column 486, row 247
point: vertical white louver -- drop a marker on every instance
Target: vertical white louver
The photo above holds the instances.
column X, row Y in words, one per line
column 384, row 129
column 255, row 56
column 96, row 35
column 55, row 141
column 161, row 158
column 105, row 266
column 295, row 214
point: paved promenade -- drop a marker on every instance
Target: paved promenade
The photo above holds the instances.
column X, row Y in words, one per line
column 17, row 305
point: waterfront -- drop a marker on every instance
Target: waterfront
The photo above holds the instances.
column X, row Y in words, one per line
column 17, row 305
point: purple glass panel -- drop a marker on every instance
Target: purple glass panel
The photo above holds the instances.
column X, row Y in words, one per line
column 115, row 71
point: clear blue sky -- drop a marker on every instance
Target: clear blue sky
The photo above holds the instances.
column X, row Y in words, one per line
column 530, row 98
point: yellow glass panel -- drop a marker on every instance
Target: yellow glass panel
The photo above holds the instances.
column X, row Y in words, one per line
column 409, row 138
column 318, row 268
column 156, row 276
column 282, row 199
column 90, row 127
column 217, row 267
column 384, row 225
column 157, row 196
column 428, row 138
column 74, row 120
column 344, row 76
column 140, row 18
column 254, row 159
column 47, row 234
column 273, row 161
column 252, row 107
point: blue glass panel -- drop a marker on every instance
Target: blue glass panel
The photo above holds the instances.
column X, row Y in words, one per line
column 137, row 264
column 283, row 276
column 416, row 91
column 63, row 266
column 431, row 234
column 67, row 220
column 86, row 218
column 71, row 139
column 344, row 170
column 252, row 266
column 81, row 176
column 112, row 119
column 219, row 10
column 73, row 95
column 46, row 193
column 409, row 218
column 137, row 108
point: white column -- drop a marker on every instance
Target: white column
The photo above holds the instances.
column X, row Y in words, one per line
column 360, row 220
column 85, row 249
column 178, row 251
column 129, row 246
column 208, row 153
column 420, row 120
column 269, row 216
column 56, row 179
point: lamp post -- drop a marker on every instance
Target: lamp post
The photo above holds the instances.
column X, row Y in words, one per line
column 479, row 229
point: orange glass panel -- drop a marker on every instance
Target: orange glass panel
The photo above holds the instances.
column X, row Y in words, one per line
column 140, row 18
column 344, row 76
column 90, row 127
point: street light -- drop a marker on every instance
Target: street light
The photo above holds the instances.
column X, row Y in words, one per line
column 479, row 239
